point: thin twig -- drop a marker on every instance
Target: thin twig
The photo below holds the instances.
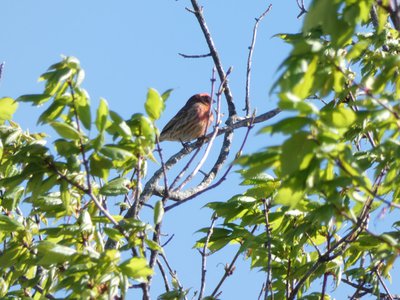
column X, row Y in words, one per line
column 312, row 243
column 195, row 56
column 262, row 291
column 268, row 281
column 172, row 272
column 388, row 294
column 1, row 69
column 185, row 168
column 300, row 4
column 249, row 59
column 204, row 256
column 164, row 275
column 167, row 242
column 230, row 268
column 367, row 290
column 325, row 278
column 159, row 150
column 39, row 289
column 137, row 190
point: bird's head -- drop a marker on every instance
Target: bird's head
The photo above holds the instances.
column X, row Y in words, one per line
column 203, row 98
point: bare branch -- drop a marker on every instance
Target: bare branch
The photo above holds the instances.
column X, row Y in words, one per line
column 261, row 292
column 268, row 281
column 195, row 55
column 137, row 190
column 164, row 275
column 249, row 59
column 229, row 269
column 171, row 271
column 198, row 12
column 325, row 278
column 159, row 150
column 39, row 289
column 300, row 4
column 1, row 69
column 204, row 257
column 388, row 294
column 367, row 290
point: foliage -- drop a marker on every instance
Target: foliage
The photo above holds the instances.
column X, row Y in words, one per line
column 337, row 165
column 60, row 245
column 302, row 220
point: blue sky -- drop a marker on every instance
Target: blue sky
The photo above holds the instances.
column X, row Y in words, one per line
column 126, row 47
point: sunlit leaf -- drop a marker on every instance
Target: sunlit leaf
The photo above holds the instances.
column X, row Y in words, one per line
column 136, row 268
column 154, row 104
column 66, row 131
column 8, row 106
column 117, row 186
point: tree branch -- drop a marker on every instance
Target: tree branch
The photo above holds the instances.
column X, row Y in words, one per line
column 204, row 257
column 249, row 59
column 195, row 56
column 268, row 281
column 198, row 12
column 229, row 270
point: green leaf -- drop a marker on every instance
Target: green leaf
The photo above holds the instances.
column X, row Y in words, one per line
column 289, row 125
column 153, row 245
column 12, row 197
column 116, row 152
column 166, row 94
column 51, row 113
column 102, row 115
column 80, row 76
column 85, row 115
column 289, row 194
column 322, row 12
column 100, row 166
column 175, row 295
column 9, row 225
column 9, row 257
column 113, row 234
column 66, row 148
column 154, row 104
column 297, row 153
column 37, row 99
column 8, row 106
column 120, row 125
column 66, row 131
column 117, row 186
column 158, row 212
column 55, row 80
column 263, row 190
column 339, row 117
column 136, row 268
column 304, row 87
column 51, row 253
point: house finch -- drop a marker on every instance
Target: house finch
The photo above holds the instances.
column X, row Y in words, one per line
column 191, row 121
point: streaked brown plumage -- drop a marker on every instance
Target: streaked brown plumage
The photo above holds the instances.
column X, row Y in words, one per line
column 191, row 121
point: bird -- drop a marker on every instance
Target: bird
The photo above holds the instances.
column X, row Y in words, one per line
column 191, row 121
